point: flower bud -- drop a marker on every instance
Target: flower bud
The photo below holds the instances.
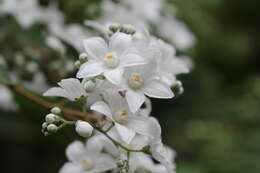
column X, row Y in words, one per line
column 83, row 57
column 89, row 86
column 44, row 125
column 56, row 110
column 83, row 128
column 52, row 128
column 114, row 27
column 178, row 88
column 50, row 118
column 129, row 29
column 77, row 64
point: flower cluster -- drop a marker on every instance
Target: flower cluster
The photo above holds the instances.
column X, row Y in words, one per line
column 116, row 78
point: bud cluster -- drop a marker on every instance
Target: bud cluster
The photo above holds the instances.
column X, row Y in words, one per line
column 124, row 28
column 52, row 122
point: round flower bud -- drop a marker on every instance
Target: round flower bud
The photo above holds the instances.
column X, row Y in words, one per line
column 89, row 86
column 44, row 125
column 56, row 110
column 129, row 29
column 52, row 128
column 84, row 129
column 83, row 57
column 114, row 27
column 50, row 118
column 178, row 88
column 77, row 64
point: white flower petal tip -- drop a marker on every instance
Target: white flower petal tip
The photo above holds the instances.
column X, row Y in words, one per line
column 102, row 108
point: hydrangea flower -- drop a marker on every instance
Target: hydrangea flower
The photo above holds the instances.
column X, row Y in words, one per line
column 109, row 59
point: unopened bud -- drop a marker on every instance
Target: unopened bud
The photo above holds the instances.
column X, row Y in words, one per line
column 114, row 27
column 178, row 88
column 44, row 125
column 56, row 110
column 84, row 129
column 77, row 64
column 129, row 29
column 52, row 128
column 89, row 86
column 50, row 118
column 83, row 57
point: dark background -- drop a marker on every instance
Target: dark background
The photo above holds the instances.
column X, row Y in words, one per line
column 214, row 126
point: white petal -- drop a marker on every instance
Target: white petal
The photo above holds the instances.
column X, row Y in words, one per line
column 90, row 69
column 95, row 144
column 142, row 125
column 132, row 60
column 160, row 154
column 57, row 91
column 95, row 47
column 71, row 167
column 125, row 133
column 102, row 108
column 114, row 76
column 156, row 129
column 104, row 163
column 120, row 42
column 73, row 87
column 157, row 89
column 75, row 150
column 135, row 99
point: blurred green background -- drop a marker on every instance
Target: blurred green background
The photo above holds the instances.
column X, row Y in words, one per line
column 214, row 126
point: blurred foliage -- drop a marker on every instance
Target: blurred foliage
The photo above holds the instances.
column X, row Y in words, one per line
column 214, row 126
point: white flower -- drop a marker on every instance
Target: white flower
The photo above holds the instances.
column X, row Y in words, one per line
column 111, row 59
column 176, row 32
column 143, row 80
column 7, row 102
column 126, row 123
column 54, row 43
column 159, row 152
column 25, row 11
column 84, row 129
column 168, row 64
column 69, row 88
column 87, row 159
column 71, row 34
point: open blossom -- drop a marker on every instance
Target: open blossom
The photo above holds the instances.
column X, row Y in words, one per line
column 140, row 81
column 109, row 59
column 126, row 123
column 73, row 89
column 87, row 158
column 159, row 152
column 69, row 88
column 168, row 64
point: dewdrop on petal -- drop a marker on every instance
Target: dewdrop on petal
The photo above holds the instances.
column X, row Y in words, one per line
column 83, row 128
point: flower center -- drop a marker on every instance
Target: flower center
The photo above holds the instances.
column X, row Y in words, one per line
column 87, row 163
column 136, row 81
column 111, row 60
column 120, row 116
